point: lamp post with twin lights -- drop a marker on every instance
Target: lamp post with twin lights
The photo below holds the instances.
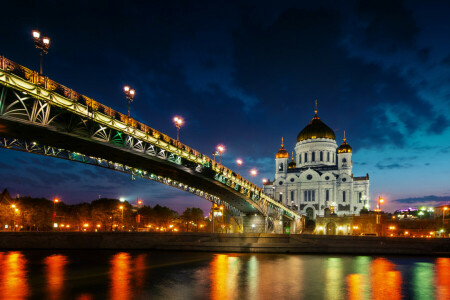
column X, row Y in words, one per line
column 178, row 121
column 42, row 43
column 129, row 93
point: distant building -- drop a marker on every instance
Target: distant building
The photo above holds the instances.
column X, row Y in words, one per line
column 318, row 180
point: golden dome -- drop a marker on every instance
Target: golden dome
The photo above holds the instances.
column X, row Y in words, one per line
column 316, row 129
column 344, row 148
column 282, row 153
column 292, row 163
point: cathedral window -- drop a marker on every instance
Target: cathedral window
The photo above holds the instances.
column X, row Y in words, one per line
column 300, row 159
column 309, row 196
column 313, row 156
column 327, row 195
column 344, row 160
column 343, row 196
column 328, row 156
column 327, row 177
column 306, row 157
column 309, row 177
column 321, row 156
column 281, row 198
column 359, row 197
column 292, row 195
column 292, row 179
column 280, row 167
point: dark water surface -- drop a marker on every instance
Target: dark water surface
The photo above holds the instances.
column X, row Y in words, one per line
column 196, row 275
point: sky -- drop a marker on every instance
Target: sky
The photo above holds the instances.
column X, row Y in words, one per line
column 245, row 74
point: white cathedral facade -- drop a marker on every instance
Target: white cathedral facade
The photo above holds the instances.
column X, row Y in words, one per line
column 318, row 181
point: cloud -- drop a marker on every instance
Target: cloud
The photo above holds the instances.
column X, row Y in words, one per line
column 382, row 166
column 435, row 200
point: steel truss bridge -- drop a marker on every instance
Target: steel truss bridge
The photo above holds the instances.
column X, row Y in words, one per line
column 38, row 115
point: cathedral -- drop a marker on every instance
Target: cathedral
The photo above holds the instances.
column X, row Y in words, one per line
column 318, row 181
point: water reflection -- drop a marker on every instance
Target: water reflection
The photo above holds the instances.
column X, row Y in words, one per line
column 120, row 276
column 423, row 278
column 443, row 278
column 55, row 275
column 13, row 277
column 183, row 275
column 386, row 281
column 334, row 279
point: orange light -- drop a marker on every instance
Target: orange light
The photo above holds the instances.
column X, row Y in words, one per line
column 445, row 208
column 121, row 207
column 139, row 202
column 86, row 225
column 239, row 162
column 46, row 40
column 13, row 206
column 253, row 172
column 221, row 148
column 381, row 200
column 56, row 200
column 98, row 225
column 126, row 88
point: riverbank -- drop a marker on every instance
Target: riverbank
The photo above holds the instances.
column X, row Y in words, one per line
column 255, row 243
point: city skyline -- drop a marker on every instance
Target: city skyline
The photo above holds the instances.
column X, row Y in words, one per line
column 246, row 78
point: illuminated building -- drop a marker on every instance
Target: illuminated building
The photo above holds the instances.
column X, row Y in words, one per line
column 318, row 180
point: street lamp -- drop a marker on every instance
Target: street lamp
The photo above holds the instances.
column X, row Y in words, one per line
column 239, row 163
column 122, row 199
column 444, row 209
column 380, row 201
column 121, row 208
column 55, row 200
column 253, row 172
column 220, row 149
column 178, row 121
column 129, row 93
column 42, row 44
column 264, row 181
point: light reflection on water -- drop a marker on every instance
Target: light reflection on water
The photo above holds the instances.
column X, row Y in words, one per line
column 186, row 275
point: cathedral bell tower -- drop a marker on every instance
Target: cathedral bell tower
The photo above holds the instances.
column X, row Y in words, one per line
column 281, row 162
column 344, row 154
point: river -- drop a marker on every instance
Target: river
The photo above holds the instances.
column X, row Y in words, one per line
column 198, row 275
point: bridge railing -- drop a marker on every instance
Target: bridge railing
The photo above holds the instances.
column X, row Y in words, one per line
column 92, row 105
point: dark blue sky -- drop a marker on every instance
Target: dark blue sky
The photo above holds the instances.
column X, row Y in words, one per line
column 245, row 74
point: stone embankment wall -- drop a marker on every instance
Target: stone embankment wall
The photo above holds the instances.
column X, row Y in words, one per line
column 268, row 243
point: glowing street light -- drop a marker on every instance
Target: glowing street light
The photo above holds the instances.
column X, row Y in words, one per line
column 444, row 209
column 42, row 44
column 139, row 202
column 122, row 199
column 121, row 208
column 264, row 181
column 178, row 121
column 55, row 201
column 129, row 93
column 220, row 149
column 253, row 172
column 239, row 163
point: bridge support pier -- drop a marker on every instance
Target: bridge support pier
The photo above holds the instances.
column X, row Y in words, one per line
column 254, row 224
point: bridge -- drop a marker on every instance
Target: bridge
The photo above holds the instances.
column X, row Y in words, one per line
column 41, row 116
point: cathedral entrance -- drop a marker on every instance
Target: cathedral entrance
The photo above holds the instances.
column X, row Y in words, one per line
column 331, row 228
column 310, row 213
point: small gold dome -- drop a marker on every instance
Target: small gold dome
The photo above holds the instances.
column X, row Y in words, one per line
column 344, row 147
column 292, row 163
column 282, row 153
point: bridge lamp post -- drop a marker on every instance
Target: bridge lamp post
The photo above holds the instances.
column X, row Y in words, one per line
column 42, row 44
column 13, row 207
column 380, row 201
column 253, row 172
column 178, row 121
column 239, row 163
column 220, row 149
column 129, row 93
